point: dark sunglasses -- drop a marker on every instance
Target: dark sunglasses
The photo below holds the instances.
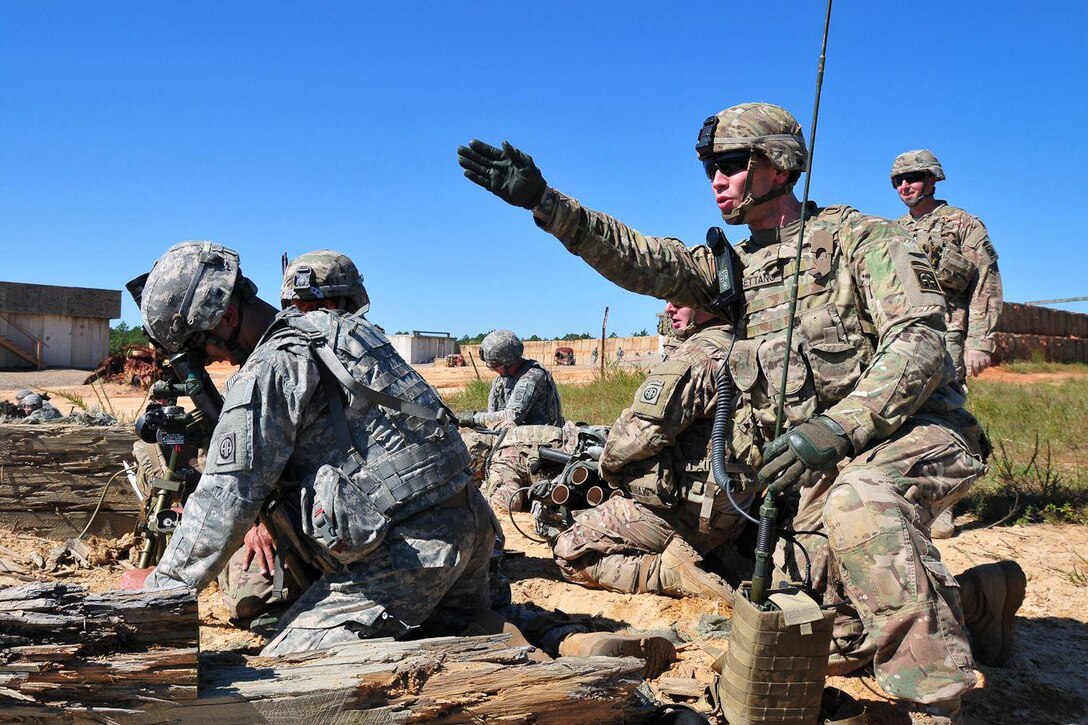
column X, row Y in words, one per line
column 728, row 163
column 910, row 178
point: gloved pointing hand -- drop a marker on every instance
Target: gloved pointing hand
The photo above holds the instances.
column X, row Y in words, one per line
column 468, row 418
column 789, row 460
column 508, row 173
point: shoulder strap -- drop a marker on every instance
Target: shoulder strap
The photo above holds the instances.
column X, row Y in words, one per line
column 328, row 361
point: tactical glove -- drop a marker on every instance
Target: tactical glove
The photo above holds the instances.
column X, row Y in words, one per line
column 468, row 418
column 508, row 173
column 790, row 460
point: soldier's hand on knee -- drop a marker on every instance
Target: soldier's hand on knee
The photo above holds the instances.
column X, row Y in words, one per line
column 509, row 173
column 260, row 546
column 793, row 459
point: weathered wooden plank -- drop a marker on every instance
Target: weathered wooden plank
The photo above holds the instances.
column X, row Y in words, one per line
column 51, row 478
column 61, row 648
column 450, row 679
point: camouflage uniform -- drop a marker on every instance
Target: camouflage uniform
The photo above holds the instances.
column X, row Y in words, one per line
column 965, row 261
column 506, row 458
column 867, row 353
column 431, row 565
column 528, row 397
column 41, row 410
column 659, row 448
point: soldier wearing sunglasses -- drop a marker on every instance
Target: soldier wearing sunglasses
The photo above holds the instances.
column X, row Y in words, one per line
column 962, row 255
column 877, row 441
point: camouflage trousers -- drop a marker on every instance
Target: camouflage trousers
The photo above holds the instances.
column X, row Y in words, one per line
column 901, row 605
column 247, row 593
column 502, row 465
column 617, row 545
column 431, row 570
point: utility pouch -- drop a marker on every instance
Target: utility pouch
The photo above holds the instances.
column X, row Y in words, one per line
column 953, row 271
column 338, row 513
column 776, row 663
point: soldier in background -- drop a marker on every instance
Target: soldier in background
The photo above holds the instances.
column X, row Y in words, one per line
column 659, row 450
column 524, row 393
column 38, row 409
column 962, row 255
column 965, row 262
column 872, row 390
column 412, row 540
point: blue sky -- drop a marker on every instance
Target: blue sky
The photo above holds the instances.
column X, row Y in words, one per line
column 269, row 127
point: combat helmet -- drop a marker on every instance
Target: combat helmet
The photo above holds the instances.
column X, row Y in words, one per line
column 919, row 160
column 32, row 401
column 322, row 275
column 187, row 293
column 501, row 347
column 763, row 128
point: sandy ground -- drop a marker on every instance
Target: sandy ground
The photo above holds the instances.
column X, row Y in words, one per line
column 1046, row 681
column 126, row 402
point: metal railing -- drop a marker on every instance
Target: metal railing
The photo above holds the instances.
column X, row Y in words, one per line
column 38, row 343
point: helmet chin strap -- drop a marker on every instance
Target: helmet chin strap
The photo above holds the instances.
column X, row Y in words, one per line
column 920, row 199
column 737, row 214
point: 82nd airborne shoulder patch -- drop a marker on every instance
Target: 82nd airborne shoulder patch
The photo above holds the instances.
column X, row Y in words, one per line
column 927, row 280
column 651, row 391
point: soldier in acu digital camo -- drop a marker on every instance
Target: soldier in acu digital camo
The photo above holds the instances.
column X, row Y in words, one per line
column 963, row 258
column 379, row 501
column 255, row 585
column 524, row 393
column 877, row 441
column 659, row 450
column 38, row 409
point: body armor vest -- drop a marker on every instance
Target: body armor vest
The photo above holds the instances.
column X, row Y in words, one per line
column 680, row 473
column 832, row 342
column 937, row 237
column 398, row 462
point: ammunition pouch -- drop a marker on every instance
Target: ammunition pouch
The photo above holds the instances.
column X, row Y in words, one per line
column 653, row 482
column 954, row 271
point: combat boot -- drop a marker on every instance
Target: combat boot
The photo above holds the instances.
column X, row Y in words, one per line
column 991, row 594
column 658, row 651
column 943, row 527
column 679, row 574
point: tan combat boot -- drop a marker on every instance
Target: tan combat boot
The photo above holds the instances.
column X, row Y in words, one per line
column 991, row 594
column 679, row 574
column 943, row 527
column 658, row 651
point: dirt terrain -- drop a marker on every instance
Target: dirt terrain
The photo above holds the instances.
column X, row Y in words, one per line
column 1046, row 681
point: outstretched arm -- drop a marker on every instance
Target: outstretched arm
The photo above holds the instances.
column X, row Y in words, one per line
column 657, row 266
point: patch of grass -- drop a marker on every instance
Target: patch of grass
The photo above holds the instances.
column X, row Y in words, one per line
column 602, row 400
column 1039, row 468
column 599, row 401
column 472, row 397
column 1038, row 364
column 1078, row 575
